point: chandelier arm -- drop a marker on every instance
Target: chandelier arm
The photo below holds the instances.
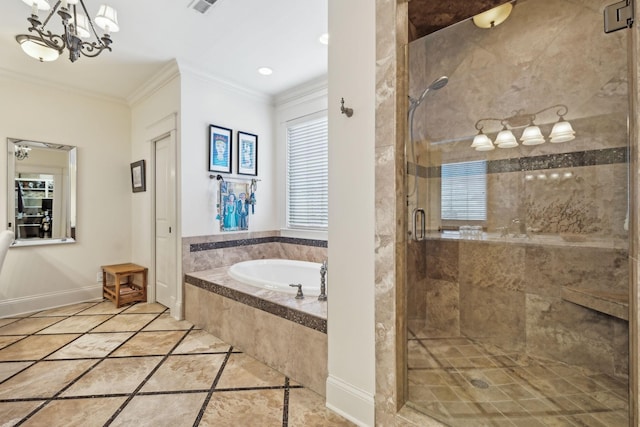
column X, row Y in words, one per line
column 95, row 33
column 87, row 49
column 53, row 10
column 53, row 41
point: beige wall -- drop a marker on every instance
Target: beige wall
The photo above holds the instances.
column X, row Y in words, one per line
column 38, row 277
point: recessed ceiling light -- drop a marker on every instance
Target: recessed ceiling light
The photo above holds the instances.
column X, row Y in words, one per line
column 265, row 71
column 324, row 39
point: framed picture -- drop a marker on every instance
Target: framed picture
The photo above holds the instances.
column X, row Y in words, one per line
column 220, row 149
column 247, row 154
column 138, row 181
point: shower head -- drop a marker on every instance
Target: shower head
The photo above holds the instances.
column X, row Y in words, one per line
column 438, row 83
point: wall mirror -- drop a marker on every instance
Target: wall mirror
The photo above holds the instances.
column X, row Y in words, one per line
column 41, row 193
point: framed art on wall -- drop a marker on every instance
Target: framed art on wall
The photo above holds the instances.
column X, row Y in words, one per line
column 247, row 154
column 220, row 149
column 138, row 182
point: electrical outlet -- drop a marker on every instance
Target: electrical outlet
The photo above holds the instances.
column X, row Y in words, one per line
column 99, row 276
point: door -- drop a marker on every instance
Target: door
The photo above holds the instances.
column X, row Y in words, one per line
column 165, row 233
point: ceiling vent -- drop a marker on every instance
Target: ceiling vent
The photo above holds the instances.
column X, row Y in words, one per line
column 202, row 5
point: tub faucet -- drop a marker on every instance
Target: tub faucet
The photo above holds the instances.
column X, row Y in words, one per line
column 323, row 281
column 299, row 293
column 522, row 227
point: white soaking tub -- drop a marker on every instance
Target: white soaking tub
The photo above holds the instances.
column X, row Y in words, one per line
column 278, row 274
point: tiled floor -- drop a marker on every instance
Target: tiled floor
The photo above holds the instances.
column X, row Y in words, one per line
column 466, row 383
column 94, row 365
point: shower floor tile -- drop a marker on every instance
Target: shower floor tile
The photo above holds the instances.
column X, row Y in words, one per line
column 94, row 365
column 462, row 382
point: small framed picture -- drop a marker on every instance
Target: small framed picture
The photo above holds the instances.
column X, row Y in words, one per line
column 247, row 154
column 138, row 181
column 220, row 149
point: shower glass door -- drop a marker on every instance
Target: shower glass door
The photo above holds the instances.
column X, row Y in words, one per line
column 517, row 296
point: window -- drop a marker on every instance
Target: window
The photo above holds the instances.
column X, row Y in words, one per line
column 308, row 173
column 464, row 191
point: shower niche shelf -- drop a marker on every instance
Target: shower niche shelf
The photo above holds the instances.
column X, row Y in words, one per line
column 615, row 304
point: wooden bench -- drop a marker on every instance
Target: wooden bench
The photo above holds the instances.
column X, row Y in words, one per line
column 115, row 288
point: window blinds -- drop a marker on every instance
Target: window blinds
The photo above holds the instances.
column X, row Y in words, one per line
column 464, row 191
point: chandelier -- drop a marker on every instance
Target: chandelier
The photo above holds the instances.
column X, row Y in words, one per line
column 22, row 152
column 44, row 45
column 561, row 132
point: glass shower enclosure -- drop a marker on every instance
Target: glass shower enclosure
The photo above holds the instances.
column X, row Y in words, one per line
column 518, row 193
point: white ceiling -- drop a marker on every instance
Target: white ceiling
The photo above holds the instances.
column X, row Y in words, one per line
column 229, row 42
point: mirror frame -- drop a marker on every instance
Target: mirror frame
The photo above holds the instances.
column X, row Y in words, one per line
column 69, row 229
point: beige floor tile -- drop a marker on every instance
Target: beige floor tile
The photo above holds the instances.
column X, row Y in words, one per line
column 8, row 369
column 149, row 343
column 244, row 371
column 76, row 324
column 146, row 308
column 35, row 347
column 43, row 379
column 245, row 408
column 161, row 410
column 9, row 339
column 199, row 341
column 167, row 323
column 114, row 376
column 308, row 409
column 76, row 412
column 189, row 372
column 8, row 320
column 92, row 345
column 12, row 412
column 125, row 322
column 29, row 325
column 67, row 310
column 104, row 307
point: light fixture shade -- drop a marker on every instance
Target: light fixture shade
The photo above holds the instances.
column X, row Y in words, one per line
column 493, row 17
column 324, row 39
column 72, row 1
column 37, row 49
column 532, row 136
column 505, row 139
column 107, row 19
column 488, row 147
column 481, row 140
column 40, row 4
column 82, row 27
column 562, row 132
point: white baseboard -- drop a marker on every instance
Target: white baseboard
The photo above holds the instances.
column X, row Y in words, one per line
column 352, row 403
column 32, row 303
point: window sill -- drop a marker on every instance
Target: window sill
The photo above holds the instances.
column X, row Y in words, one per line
column 304, row 234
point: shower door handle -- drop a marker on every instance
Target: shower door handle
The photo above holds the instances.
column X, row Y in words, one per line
column 419, row 215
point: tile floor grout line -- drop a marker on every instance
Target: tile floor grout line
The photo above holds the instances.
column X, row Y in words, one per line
column 207, row 398
column 89, row 369
column 285, row 405
column 144, row 381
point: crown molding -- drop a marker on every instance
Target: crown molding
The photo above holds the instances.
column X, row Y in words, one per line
column 313, row 89
column 166, row 74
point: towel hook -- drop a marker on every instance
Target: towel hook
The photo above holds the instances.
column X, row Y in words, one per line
column 347, row 111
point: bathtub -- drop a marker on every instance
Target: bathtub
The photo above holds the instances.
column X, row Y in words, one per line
column 278, row 274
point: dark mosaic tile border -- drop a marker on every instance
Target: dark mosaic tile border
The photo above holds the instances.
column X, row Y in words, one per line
column 606, row 156
column 303, row 319
column 197, row 247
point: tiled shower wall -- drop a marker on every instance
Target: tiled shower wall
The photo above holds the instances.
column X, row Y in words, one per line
column 221, row 250
column 510, row 295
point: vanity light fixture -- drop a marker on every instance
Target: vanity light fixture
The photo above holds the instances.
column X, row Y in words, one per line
column 22, row 152
column 532, row 135
column 493, row 17
column 44, row 45
column 265, row 71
